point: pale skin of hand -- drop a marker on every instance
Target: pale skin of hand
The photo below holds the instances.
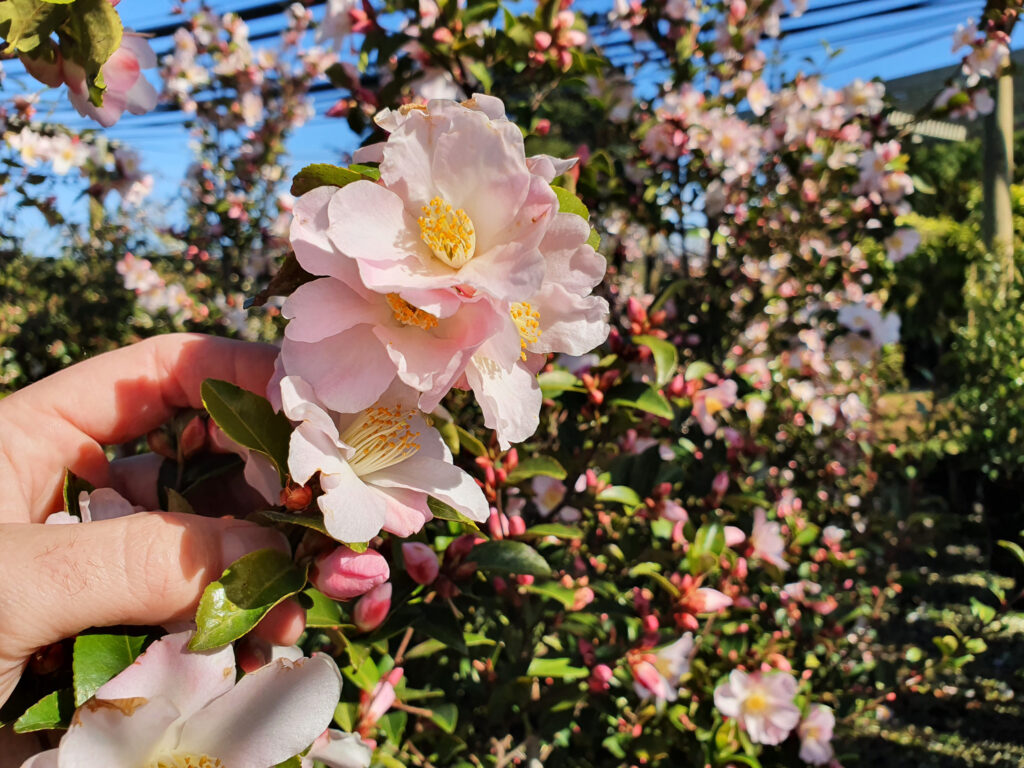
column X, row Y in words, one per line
column 146, row 569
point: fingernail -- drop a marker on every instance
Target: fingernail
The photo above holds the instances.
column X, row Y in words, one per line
column 241, row 539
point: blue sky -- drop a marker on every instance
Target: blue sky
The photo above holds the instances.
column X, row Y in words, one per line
column 901, row 43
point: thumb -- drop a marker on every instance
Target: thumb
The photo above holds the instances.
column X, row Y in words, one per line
column 147, row 568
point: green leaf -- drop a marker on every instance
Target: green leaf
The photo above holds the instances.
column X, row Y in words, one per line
column 621, row 494
column 708, row 544
column 249, row 420
column 536, row 465
column 1014, row 548
column 594, row 241
column 178, row 503
column 697, row 370
column 245, row 592
column 445, row 715
column 443, row 511
column 984, row 613
column 393, row 725
column 27, row 24
column 313, row 523
column 559, row 668
column 471, row 443
column 98, row 658
column 289, row 276
column 90, row 36
column 807, row 535
column 369, row 171
column 569, row 203
column 642, row 398
column 554, row 591
column 557, row 530
column 666, row 357
column 506, row 556
column 323, row 175
column 73, row 487
column 51, row 711
column 554, row 383
column 480, row 71
column 323, row 612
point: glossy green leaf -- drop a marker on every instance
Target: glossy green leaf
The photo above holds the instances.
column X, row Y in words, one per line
column 249, row 420
column 323, row 175
column 547, row 466
column 72, row 490
column 506, row 556
column 621, row 494
column 90, row 35
column 557, row 530
column 470, row 442
column 443, row 511
column 643, row 398
column 666, row 357
column 553, row 383
column 51, row 711
column 445, row 715
column 245, row 592
column 26, row 24
column 98, row 658
column 322, row 611
column 558, row 668
column 569, row 203
column 438, row 621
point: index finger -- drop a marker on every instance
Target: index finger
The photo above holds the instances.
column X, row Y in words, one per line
column 65, row 419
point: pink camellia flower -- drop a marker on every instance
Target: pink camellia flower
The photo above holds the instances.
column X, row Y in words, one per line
column 421, row 562
column 337, row 749
column 343, row 573
column 658, row 674
column 767, row 542
column 375, row 704
column 457, row 206
column 126, row 87
column 561, row 317
column 350, row 342
column 175, row 707
column 377, row 467
column 372, row 608
column 708, row 402
column 101, row 504
column 762, row 703
column 815, row 732
column 548, row 493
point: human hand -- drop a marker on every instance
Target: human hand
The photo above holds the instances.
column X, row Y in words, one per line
column 148, row 568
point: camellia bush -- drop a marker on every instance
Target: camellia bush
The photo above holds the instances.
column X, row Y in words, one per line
column 573, row 428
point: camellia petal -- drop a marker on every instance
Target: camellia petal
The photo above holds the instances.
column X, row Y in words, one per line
column 270, row 716
column 438, row 478
column 187, row 679
column 118, row 733
column 353, row 512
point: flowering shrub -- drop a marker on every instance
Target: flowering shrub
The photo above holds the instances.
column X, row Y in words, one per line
column 577, row 398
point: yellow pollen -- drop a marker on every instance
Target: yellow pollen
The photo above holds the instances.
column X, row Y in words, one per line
column 527, row 320
column 756, row 703
column 407, row 314
column 381, row 438
column 186, row 761
column 448, row 232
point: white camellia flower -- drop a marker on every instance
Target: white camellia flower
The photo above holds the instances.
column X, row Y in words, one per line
column 174, row 708
column 377, row 467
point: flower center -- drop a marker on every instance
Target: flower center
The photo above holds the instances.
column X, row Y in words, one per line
column 407, row 314
column 186, row 761
column 448, row 232
column 527, row 320
column 381, row 438
column 756, row 703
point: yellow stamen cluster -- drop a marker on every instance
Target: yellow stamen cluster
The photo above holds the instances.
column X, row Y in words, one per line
column 527, row 320
column 407, row 314
column 381, row 438
column 448, row 232
column 756, row 703
column 186, row 761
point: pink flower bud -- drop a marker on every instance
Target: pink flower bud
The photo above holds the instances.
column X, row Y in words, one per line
column 372, row 608
column 516, row 526
column 497, row 524
column 343, row 574
column 542, row 40
column 599, row 678
column 720, row 484
column 420, row 562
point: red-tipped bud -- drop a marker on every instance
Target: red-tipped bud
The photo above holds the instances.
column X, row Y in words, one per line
column 296, row 497
column 343, row 574
column 516, row 526
column 372, row 608
column 193, row 437
column 421, row 562
column 720, row 484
